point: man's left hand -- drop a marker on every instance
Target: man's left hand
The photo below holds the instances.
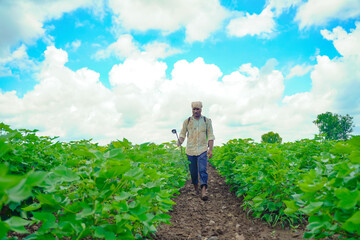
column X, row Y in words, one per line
column 210, row 154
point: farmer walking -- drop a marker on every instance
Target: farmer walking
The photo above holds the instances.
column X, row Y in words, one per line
column 199, row 146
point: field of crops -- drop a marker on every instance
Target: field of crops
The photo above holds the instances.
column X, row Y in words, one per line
column 311, row 182
column 79, row 189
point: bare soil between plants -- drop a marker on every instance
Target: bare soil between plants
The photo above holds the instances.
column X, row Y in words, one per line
column 220, row 217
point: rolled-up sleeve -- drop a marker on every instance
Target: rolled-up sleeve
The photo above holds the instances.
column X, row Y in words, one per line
column 210, row 131
column 183, row 130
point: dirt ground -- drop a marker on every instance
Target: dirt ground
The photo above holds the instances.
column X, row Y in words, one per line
column 220, row 217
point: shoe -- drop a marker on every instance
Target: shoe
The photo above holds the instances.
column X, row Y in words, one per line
column 204, row 197
column 196, row 189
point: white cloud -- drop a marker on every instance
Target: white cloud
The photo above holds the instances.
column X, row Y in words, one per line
column 335, row 82
column 298, row 71
column 18, row 59
column 122, row 48
column 73, row 46
column 253, row 24
column 143, row 105
column 126, row 47
column 346, row 44
column 280, row 6
column 320, row 12
column 140, row 73
column 66, row 103
column 22, row 21
column 157, row 50
column 199, row 18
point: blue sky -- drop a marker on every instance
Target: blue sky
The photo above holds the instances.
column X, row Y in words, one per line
column 108, row 69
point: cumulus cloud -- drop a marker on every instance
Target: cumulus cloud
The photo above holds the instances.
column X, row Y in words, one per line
column 18, row 59
column 347, row 44
column 298, row 71
column 73, row 46
column 127, row 47
column 23, row 20
column 279, row 6
column 144, row 105
column 346, row 68
column 335, row 82
column 122, row 48
column 199, row 18
column 320, row 12
column 64, row 103
column 262, row 25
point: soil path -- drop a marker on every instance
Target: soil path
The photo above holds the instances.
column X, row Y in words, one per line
column 218, row 218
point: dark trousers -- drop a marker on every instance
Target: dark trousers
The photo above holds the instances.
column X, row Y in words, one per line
column 197, row 168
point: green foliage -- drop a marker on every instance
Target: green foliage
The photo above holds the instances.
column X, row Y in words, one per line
column 265, row 174
column 271, row 137
column 331, row 193
column 288, row 183
column 334, row 126
column 79, row 189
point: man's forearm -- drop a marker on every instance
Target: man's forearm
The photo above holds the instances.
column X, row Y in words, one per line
column 211, row 145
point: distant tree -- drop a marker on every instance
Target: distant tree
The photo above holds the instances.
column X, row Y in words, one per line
column 334, row 126
column 271, row 137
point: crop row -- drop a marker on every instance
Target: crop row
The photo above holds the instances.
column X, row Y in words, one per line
column 57, row 190
column 313, row 182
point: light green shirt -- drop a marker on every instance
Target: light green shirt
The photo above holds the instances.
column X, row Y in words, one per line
column 195, row 130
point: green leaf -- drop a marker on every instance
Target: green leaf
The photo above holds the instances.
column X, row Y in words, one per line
column 115, row 168
column 312, row 187
column 47, row 219
column 317, row 223
column 20, row 192
column 353, row 223
column 17, row 224
column 312, row 208
column 258, row 199
column 8, row 181
column 87, row 211
column 341, row 148
column 48, row 199
column 121, row 206
column 134, row 172
column 100, row 232
column 4, row 148
column 65, row 174
column 4, row 228
column 35, row 178
column 116, row 153
column 291, row 207
column 162, row 218
column 355, row 157
column 125, row 234
column 347, row 198
column 32, row 207
column 123, row 196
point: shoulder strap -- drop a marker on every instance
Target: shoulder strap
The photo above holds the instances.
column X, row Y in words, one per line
column 205, row 127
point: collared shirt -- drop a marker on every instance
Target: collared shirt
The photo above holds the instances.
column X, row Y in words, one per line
column 196, row 133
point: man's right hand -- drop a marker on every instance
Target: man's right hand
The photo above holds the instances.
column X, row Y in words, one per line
column 181, row 140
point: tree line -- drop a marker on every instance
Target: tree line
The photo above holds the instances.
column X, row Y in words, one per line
column 331, row 125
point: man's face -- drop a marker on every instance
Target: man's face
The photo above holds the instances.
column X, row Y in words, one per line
column 196, row 112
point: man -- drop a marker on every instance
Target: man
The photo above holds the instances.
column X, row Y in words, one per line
column 199, row 146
